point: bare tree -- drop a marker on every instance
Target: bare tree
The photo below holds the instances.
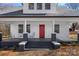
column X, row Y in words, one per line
column 72, row 5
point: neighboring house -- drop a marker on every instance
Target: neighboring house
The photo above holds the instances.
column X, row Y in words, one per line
column 39, row 20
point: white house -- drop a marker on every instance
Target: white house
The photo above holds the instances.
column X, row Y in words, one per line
column 39, row 20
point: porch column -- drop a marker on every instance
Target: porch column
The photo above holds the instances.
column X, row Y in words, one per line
column 53, row 25
column 25, row 23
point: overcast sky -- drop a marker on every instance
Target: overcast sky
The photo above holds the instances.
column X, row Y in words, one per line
column 10, row 4
column 69, row 5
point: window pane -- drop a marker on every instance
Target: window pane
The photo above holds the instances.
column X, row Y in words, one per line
column 39, row 6
column 31, row 6
column 28, row 28
column 47, row 5
column 57, row 28
column 20, row 28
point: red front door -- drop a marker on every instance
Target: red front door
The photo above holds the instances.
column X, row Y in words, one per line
column 41, row 31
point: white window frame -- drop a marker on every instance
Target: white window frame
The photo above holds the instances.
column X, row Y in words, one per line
column 49, row 7
column 29, row 7
column 41, row 6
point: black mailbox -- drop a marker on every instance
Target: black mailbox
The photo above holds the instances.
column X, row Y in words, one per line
column 0, row 39
column 53, row 37
column 25, row 36
column 0, row 36
column 78, row 37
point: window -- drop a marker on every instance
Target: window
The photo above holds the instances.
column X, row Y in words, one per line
column 31, row 6
column 57, row 28
column 20, row 28
column 39, row 6
column 28, row 28
column 47, row 6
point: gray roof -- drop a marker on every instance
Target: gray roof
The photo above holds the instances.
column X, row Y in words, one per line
column 59, row 12
column 20, row 13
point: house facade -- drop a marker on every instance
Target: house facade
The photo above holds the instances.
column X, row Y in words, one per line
column 39, row 20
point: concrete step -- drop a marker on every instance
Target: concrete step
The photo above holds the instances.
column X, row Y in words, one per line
column 36, row 49
column 38, row 44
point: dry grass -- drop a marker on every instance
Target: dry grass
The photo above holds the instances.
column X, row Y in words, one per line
column 62, row 51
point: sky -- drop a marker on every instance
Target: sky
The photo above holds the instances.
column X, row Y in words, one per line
column 61, row 4
column 20, row 4
column 70, row 5
column 10, row 4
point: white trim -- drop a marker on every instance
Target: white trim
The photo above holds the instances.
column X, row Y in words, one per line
column 53, row 22
column 39, row 19
column 25, row 22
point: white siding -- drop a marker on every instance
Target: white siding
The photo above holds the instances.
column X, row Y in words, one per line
column 64, row 26
column 35, row 28
column 14, row 30
column 26, row 10
column 64, row 30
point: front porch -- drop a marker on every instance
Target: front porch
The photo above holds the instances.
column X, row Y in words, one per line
column 32, row 44
column 13, row 30
column 26, row 43
column 33, row 26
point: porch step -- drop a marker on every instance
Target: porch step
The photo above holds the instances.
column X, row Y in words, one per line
column 38, row 44
column 36, row 49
